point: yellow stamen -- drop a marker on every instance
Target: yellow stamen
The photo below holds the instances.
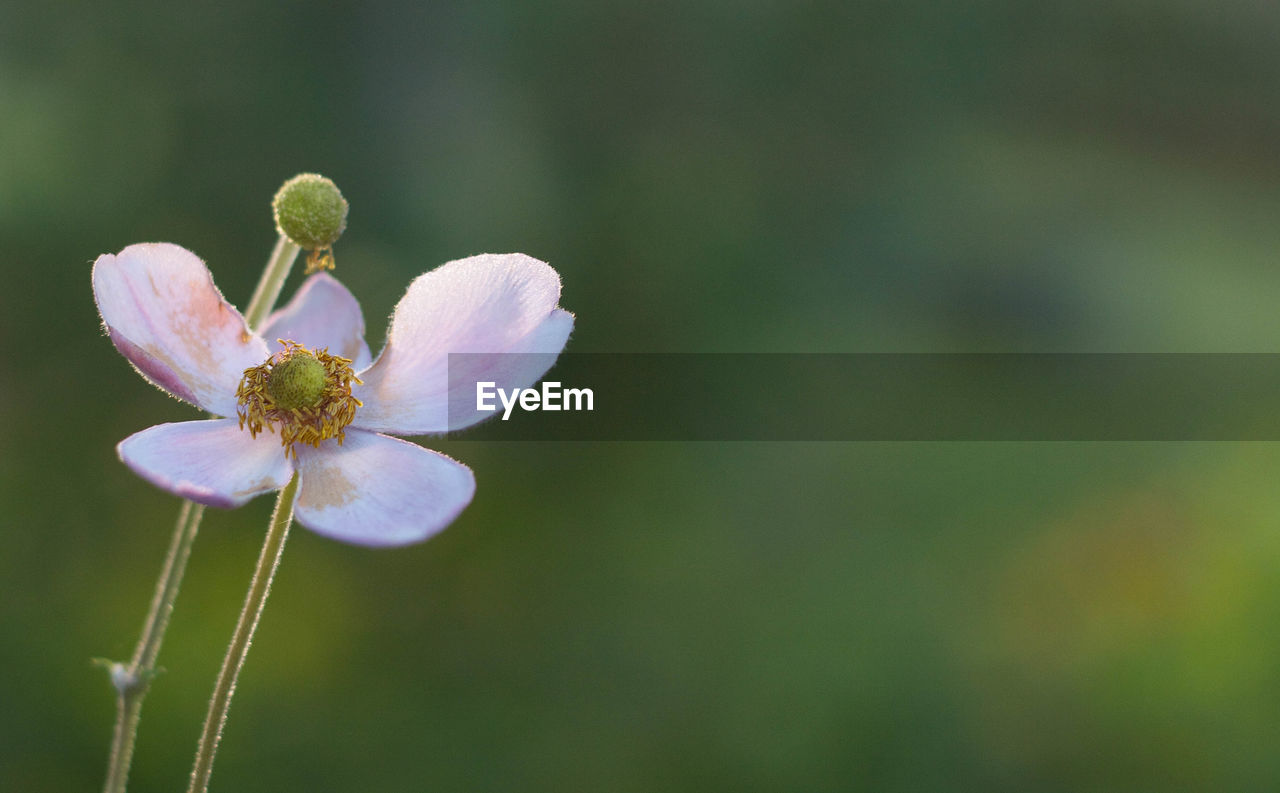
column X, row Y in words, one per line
column 318, row 419
column 319, row 259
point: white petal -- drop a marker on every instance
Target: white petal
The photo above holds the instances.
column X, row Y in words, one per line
column 164, row 314
column 212, row 462
column 485, row 304
column 379, row 491
column 515, row 368
column 322, row 314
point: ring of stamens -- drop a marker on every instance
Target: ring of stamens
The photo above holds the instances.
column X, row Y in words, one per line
column 326, row 412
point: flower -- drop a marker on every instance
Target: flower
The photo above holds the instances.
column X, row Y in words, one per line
column 162, row 311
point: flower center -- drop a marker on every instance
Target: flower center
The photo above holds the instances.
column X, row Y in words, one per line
column 297, row 382
column 306, row 393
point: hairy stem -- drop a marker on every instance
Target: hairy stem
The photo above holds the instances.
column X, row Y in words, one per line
column 133, row 679
column 254, row 602
column 264, row 297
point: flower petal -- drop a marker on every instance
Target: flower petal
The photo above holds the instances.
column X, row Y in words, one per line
column 212, row 462
column 485, row 304
column 164, row 314
column 322, row 314
column 379, row 491
column 537, row 353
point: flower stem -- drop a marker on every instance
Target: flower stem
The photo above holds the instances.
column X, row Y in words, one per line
column 132, row 680
column 255, row 600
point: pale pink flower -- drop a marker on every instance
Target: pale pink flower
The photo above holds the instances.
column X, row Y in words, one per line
column 163, row 313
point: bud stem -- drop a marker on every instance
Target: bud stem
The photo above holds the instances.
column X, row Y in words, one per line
column 141, row 668
column 273, row 278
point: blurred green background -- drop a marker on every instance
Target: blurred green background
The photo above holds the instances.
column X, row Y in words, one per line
column 706, row 176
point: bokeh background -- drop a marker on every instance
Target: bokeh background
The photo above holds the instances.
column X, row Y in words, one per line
column 707, row 177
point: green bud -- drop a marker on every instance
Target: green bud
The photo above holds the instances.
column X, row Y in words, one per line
column 297, row 382
column 311, row 211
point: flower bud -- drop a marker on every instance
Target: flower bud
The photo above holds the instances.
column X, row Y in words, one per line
column 311, row 211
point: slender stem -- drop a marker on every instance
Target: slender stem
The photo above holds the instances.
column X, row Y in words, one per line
column 278, row 266
column 167, row 587
column 254, row 602
column 132, row 680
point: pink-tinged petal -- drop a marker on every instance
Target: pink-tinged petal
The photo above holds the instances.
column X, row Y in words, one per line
column 379, row 491
column 164, row 314
column 485, row 304
column 322, row 314
column 212, row 462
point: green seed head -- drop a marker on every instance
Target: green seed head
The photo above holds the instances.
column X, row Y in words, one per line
column 297, row 382
column 311, row 211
